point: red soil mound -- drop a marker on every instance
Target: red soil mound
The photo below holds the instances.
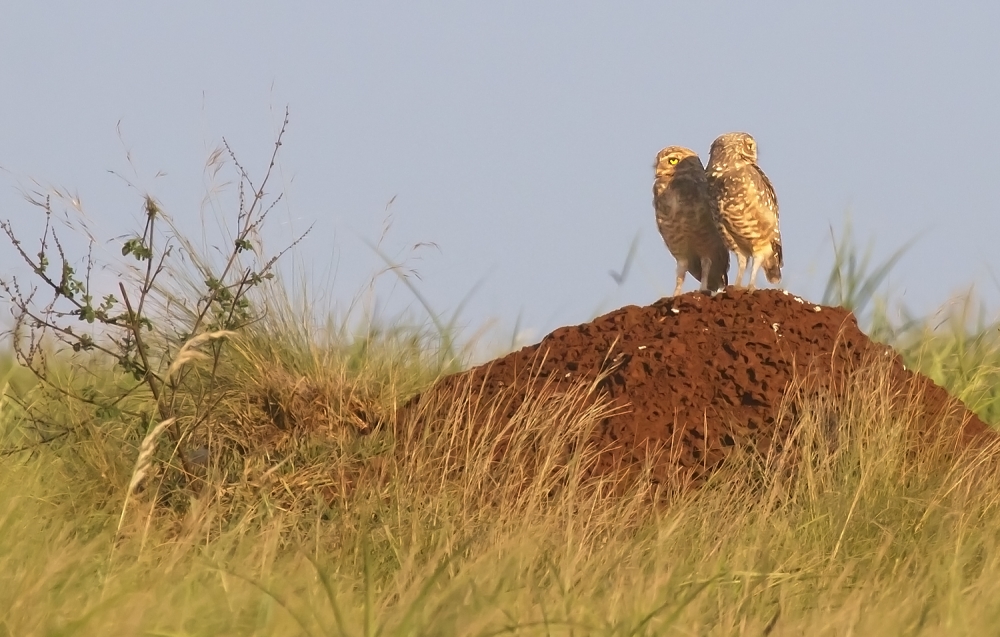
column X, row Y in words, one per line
column 703, row 375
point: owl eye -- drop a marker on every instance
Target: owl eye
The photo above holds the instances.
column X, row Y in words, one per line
column 673, row 161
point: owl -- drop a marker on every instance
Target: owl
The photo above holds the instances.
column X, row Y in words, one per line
column 747, row 206
column 688, row 219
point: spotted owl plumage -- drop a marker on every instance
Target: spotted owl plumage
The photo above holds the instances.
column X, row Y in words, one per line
column 688, row 220
column 748, row 207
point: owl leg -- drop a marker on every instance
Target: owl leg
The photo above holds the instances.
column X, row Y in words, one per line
column 706, row 267
column 741, row 267
column 753, row 272
column 682, row 268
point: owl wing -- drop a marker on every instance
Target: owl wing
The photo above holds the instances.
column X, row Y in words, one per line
column 715, row 241
column 767, row 208
column 720, row 225
column 766, row 199
column 716, row 189
column 710, row 237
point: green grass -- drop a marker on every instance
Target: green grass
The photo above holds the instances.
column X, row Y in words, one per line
column 316, row 508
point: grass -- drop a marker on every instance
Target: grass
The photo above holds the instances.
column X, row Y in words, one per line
column 310, row 506
column 403, row 533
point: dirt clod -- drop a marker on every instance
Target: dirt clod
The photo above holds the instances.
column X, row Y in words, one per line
column 703, row 375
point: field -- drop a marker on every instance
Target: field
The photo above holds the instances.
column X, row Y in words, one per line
column 202, row 464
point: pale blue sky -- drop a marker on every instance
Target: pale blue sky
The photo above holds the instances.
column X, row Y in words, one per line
column 519, row 136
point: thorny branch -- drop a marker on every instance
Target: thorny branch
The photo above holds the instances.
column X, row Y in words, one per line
column 127, row 336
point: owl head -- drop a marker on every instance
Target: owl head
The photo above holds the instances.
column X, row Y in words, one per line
column 735, row 147
column 677, row 160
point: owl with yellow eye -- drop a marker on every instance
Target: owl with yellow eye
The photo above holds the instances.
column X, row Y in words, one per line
column 687, row 218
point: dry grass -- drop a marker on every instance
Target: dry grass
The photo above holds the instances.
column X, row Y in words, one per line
column 447, row 528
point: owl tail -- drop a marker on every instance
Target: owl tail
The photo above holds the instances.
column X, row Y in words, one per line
column 772, row 264
column 718, row 274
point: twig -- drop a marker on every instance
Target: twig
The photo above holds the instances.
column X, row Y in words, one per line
column 153, row 382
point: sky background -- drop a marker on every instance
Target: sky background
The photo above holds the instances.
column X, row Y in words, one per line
column 517, row 137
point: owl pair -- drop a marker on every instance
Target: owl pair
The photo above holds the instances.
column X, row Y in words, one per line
column 703, row 214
